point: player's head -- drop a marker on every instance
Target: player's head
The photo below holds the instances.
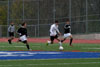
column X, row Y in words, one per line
column 67, row 21
column 56, row 22
column 12, row 23
column 24, row 24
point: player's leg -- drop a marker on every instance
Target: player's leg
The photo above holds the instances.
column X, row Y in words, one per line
column 51, row 40
column 56, row 37
column 63, row 40
column 24, row 40
column 71, row 40
column 11, row 35
column 27, row 45
column 9, row 38
column 19, row 40
column 65, row 36
column 68, row 35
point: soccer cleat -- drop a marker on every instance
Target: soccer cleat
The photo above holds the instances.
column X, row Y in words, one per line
column 30, row 49
column 71, row 45
column 47, row 44
column 9, row 41
column 61, row 48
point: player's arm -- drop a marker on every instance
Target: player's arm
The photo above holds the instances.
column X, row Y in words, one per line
column 65, row 27
column 51, row 30
column 57, row 30
column 14, row 29
column 19, row 31
column 9, row 28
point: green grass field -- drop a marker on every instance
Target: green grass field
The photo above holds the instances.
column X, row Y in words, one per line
column 53, row 47
column 52, row 63
column 92, row 62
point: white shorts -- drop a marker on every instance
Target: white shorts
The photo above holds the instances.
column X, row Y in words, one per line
column 67, row 35
column 53, row 34
column 23, row 38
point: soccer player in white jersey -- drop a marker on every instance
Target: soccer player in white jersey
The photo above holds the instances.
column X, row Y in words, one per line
column 54, row 33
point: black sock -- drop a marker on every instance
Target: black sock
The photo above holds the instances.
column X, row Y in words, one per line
column 27, row 46
column 51, row 42
column 63, row 40
column 71, row 41
column 9, row 41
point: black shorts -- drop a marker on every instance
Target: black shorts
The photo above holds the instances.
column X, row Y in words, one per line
column 11, row 34
column 53, row 37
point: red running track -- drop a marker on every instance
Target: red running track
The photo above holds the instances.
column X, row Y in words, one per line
column 44, row 40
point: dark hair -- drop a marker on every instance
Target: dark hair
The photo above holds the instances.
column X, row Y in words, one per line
column 11, row 22
column 56, row 21
column 23, row 23
column 67, row 20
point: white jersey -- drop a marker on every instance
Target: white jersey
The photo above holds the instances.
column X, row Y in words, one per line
column 54, row 30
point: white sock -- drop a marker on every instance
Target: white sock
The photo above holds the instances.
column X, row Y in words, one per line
column 49, row 42
column 60, row 43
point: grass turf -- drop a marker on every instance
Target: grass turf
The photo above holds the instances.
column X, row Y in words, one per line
column 51, row 62
column 53, row 47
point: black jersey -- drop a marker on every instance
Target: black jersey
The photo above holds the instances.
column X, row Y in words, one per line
column 67, row 28
column 22, row 31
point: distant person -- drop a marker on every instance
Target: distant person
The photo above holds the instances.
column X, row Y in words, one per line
column 11, row 30
column 67, row 32
column 22, row 31
column 54, row 33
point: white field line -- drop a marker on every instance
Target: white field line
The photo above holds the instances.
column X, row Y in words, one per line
column 17, row 46
column 12, row 46
column 9, row 65
column 91, row 48
column 48, row 59
column 40, row 46
column 67, row 63
column 52, row 64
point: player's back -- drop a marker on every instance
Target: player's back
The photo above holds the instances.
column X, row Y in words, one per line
column 53, row 28
column 22, row 31
column 67, row 28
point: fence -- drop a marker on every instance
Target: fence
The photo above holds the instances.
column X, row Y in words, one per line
column 32, row 30
column 40, row 14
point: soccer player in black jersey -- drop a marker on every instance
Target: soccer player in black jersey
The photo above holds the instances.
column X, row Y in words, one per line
column 22, row 31
column 67, row 32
